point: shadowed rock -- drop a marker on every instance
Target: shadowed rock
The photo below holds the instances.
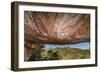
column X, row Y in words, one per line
column 57, row 28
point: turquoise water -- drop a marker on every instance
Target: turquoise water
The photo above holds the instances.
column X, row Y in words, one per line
column 83, row 45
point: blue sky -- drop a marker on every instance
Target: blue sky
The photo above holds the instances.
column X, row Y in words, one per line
column 84, row 45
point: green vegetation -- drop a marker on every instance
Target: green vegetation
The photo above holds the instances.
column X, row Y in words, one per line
column 59, row 54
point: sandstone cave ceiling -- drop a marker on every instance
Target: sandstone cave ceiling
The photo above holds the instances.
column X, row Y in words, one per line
column 56, row 28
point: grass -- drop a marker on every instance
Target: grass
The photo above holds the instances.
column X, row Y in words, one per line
column 73, row 53
column 65, row 53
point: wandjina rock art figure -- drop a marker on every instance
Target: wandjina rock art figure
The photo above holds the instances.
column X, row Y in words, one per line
column 54, row 28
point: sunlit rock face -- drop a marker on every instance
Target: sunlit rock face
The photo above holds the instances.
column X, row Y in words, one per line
column 56, row 28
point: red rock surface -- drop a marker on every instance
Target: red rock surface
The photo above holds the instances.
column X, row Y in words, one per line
column 56, row 28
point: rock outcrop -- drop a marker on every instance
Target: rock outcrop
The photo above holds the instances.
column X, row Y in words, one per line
column 56, row 28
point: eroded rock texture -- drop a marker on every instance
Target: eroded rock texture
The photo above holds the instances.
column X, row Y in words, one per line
column 56, row 28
